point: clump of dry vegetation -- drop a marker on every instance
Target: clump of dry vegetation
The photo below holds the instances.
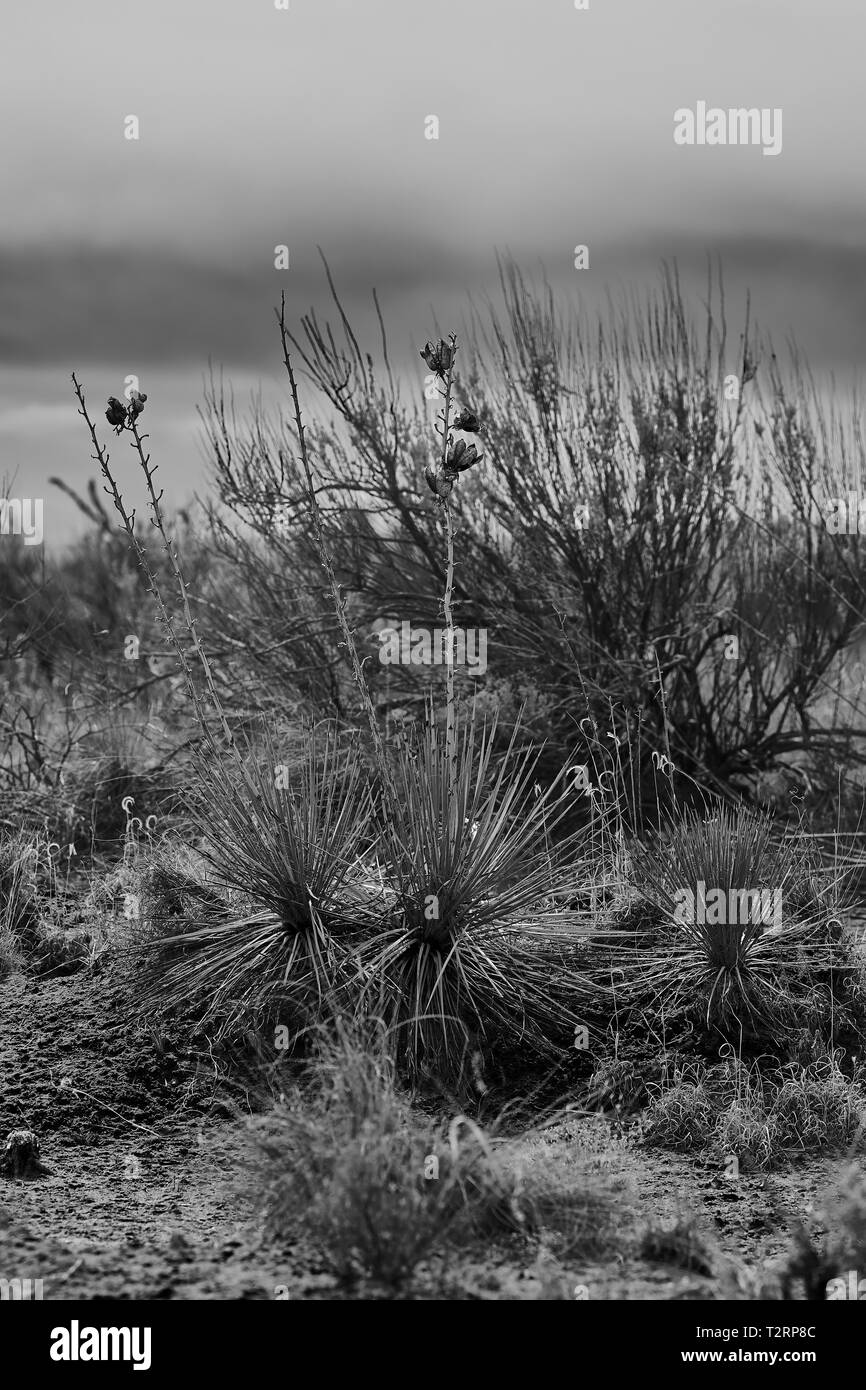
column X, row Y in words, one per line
column 19, row 914
column 379, row 1186
column 435, row 890
column 763, row 1116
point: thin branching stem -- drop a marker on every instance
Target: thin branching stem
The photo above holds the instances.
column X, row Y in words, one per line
column 337, row 599
column 170, row 549
column 102, row 457
column 450, row 721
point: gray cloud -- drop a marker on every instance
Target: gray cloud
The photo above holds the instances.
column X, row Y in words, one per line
column 261, row 127
column 88, row 305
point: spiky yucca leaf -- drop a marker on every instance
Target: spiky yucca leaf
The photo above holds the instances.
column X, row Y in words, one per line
column 460, row 956
column 283, row 835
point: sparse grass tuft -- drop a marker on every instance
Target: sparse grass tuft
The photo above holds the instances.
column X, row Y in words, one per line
column 681, row 1116
column 761, row 1117
column 379, row 1186
column 376, row 1185
column 19, row 911
column 797, row 1111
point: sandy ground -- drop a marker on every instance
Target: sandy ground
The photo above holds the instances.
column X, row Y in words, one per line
column 151, row 1187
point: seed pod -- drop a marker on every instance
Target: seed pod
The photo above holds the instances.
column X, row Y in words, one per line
column 467, row 420
column 116, row 412
column 439, row 483
column 438, row 356
column 461, row 456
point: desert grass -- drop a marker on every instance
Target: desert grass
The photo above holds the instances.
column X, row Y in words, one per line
column 379, row 1186
column 762, row 1116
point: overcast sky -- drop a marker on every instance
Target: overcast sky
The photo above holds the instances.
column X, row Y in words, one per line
column 260, row 127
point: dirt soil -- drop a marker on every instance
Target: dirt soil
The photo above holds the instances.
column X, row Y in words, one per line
column 151, row 1188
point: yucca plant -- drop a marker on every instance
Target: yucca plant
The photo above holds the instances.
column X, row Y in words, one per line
column 466, row 952
column 286, row 840
column 749, row 975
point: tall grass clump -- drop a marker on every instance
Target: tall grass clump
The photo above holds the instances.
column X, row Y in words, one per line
column 376, row 1186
